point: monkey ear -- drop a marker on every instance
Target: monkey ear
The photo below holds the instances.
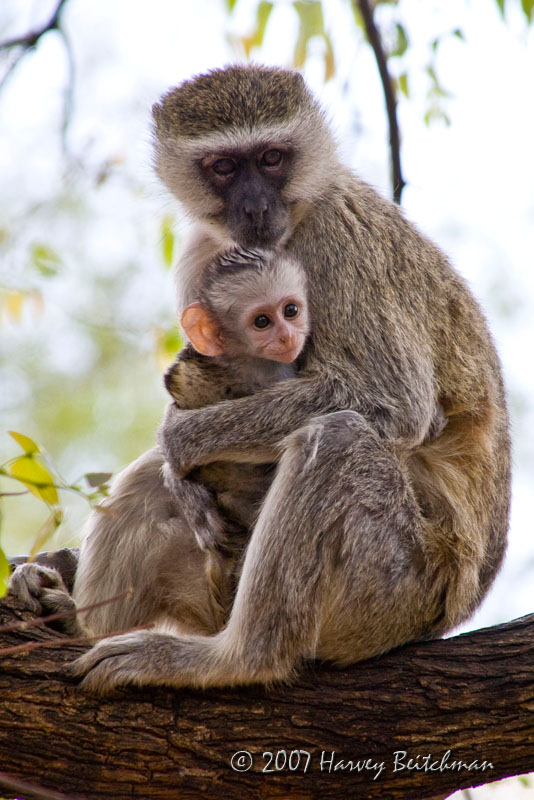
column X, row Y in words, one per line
column 202, row 331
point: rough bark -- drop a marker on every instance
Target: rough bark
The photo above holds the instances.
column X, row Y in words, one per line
column 472, row 695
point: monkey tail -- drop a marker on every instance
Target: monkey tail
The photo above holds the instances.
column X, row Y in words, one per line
column 218, row 574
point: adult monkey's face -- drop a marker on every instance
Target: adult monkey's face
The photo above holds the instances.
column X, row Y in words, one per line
column 250, row 184
column 242, row 148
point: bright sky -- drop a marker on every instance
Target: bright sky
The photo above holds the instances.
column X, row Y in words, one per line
column 470, row 185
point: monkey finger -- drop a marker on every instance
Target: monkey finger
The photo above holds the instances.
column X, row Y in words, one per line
column 140, row 658
column 108, row 664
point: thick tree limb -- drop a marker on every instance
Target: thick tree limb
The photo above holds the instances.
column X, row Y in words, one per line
column 472, row 695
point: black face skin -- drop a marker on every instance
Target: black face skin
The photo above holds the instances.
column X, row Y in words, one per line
column 250, row 185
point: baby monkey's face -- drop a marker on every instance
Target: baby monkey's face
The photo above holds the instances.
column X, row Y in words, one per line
column 276, row 328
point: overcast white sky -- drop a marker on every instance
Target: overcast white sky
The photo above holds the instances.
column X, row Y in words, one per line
column 470, row 186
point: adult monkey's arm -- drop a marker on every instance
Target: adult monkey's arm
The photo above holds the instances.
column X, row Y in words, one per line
column 249, row 429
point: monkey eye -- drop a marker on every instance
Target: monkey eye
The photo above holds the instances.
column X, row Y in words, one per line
column 261, row 321
column 271, row 158
column 291, row 310
column 224, row 166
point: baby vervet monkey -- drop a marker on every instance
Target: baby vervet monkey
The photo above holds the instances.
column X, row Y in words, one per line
column 245, row 331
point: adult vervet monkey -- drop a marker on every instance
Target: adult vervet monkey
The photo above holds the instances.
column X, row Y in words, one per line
column 370, row 536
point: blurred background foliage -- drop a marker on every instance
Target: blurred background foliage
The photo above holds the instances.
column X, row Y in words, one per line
column 88, row 238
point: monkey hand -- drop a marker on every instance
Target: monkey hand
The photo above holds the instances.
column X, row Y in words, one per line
column 37, row 586
column 43, row 591
column 140, row 658
column 198, row 507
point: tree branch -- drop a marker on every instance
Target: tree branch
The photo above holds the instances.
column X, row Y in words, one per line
column 373, row 37
column 460, row 708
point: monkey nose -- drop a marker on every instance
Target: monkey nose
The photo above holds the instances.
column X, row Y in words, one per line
column 255, row 210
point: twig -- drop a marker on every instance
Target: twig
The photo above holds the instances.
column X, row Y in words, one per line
column 39, row 622
column 69, row 90
column 67, row 641
column 31, row 789
column 31, row 38
column 28, row 41
column 373, row 37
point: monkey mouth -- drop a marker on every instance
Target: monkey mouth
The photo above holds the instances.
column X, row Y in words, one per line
column 284, row 356
column 264, row 235
column 267, row 233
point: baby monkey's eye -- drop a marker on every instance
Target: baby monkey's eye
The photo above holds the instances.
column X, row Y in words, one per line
column 261, row 321
column 223, row 166
column 291, row 310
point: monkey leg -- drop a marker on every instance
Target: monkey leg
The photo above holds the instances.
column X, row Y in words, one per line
column 336, row 569
column 141, row 542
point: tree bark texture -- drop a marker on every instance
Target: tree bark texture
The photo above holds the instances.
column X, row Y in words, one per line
column 466, row 703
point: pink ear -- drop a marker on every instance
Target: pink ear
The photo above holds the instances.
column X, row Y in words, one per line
column 202, row 331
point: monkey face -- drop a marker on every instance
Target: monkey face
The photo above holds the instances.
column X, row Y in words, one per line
column 276, row 329
column 250, row 184
column 244, row 149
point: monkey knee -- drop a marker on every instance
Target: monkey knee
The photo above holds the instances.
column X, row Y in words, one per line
column 326, row 436
column 343, row 423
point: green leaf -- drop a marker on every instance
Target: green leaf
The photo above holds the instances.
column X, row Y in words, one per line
column 357, row 14
column 528, row 8
column 403, row 84
column 35, row 476
column 45, row 260
column 46, row 531
column 436, row 90
column 97, row 479
column 459, row 34
column 167, row 241
column 436, row 114
column 27, row 444
column 230, row 5
column 255, row 39
column 262, row 18
column 168, row 343
column 5, row 572
column 311, row 24
column 402, row 41
column 524, row 781
column 500, row 3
